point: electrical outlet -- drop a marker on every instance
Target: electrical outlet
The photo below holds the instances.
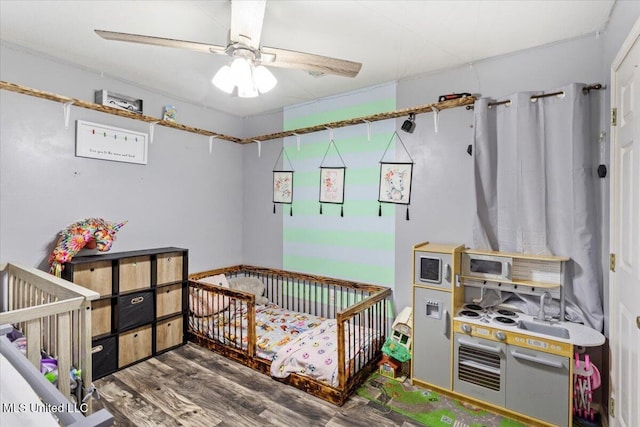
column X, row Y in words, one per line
column 612, row 407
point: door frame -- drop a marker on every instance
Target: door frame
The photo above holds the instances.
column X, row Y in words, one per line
column 614, row 204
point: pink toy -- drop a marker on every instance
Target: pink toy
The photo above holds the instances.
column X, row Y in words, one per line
column 91, row 233
column 586, row 378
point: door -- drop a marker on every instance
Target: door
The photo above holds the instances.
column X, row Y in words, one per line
column 624, row 283
column 479, row 369
column 432, row 337
column 537, row 385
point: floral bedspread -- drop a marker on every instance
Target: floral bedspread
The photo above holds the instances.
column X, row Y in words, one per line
column 275, row 327
column 315, row 353
column 294, row 342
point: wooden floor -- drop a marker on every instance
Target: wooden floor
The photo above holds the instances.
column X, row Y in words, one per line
column 192, row 386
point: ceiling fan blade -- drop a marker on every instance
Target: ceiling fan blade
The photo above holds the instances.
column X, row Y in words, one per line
column 246, row 22
column 161, row 41
column 310, row 62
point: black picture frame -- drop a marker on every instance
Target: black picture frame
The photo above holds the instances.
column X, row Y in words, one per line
column 395, row 183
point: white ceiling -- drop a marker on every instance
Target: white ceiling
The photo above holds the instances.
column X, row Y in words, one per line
column 392, row 39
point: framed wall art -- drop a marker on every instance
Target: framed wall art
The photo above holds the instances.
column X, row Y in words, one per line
column 395, row 183
column 395, row 179
column 332, row 184
column 283, row 187
column 104, row 142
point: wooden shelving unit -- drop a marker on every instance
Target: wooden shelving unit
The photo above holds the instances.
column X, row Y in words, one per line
column 142, row 306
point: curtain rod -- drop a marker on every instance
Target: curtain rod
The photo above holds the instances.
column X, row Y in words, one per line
column 586, row 90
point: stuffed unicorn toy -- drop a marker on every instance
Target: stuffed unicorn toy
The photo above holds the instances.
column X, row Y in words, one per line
column 92, row 233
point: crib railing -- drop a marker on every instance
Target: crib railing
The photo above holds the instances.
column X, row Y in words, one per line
column 55, row 317
column 357, row 307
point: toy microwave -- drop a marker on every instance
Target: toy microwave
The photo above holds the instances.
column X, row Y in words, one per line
column 486, row 266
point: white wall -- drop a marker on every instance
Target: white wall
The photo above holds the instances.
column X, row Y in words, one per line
column 262, row 230
column 442, row 205
column 183, row 197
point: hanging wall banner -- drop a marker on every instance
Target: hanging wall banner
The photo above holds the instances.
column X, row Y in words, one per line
column 395, row 183
column 332, row 184
column 283, row 187
column 104, row 142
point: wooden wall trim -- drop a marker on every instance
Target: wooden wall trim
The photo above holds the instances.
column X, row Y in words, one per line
column 426, row 108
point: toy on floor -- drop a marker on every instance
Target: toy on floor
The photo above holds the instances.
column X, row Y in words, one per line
column 397, row 348
column 586, row 378
column 91, row 233
column 402, row 328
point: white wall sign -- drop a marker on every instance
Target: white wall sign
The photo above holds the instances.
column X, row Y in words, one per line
column 98, row 141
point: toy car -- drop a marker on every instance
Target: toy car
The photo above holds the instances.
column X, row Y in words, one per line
column 121, row 103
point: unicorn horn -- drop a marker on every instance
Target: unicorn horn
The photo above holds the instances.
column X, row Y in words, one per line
column 117, row 227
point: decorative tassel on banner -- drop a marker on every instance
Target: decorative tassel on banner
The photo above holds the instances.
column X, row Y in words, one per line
column 291, row 210
column 379, row 209
column 320, row 208
column 274, row 208
column 341, row 211
column 407, row 212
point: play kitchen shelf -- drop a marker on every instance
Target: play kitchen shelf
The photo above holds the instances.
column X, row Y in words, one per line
column 516, row 364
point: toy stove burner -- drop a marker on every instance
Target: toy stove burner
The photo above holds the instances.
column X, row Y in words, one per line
column 473, row 307
column 470, row 314
column 506, row 321
column 506, row 313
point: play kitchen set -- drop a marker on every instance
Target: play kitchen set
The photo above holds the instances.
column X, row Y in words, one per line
column 519, row 365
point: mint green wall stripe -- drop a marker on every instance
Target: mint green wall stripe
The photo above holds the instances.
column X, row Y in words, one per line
column 381, row 106
column 346, row 270
column 361, row 255
column 350, row 208
column 355, row 239
column 317, row 148
column 358, row 176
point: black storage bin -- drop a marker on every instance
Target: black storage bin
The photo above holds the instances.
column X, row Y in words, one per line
column 104, row 357
column 135, row 310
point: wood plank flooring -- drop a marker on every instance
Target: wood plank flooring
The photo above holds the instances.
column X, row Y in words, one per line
column 192, row 386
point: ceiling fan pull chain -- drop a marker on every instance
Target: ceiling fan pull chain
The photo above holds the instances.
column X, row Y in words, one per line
column 66, row 107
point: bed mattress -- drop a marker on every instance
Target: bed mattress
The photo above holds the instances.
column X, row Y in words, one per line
column 275, row 327
column 294, row 342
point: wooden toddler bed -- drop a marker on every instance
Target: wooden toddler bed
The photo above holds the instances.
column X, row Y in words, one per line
column 52, row 319
column 319, row 334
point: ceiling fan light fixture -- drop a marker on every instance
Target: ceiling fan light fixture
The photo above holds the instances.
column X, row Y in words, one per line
column 223, row 79
column 249, row 79
column 241, row 70
column 264, row 79
column 247, row 89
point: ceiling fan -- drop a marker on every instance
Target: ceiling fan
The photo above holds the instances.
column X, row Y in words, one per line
column 249, row 57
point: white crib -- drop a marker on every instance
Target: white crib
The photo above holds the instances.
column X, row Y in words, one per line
column 55, row 317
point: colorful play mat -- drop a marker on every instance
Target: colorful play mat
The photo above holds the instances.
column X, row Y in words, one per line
column 427, row 406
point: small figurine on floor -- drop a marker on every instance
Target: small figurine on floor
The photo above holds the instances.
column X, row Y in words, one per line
column 91, row 233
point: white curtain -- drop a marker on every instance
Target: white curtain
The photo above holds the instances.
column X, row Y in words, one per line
column 535, row 191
